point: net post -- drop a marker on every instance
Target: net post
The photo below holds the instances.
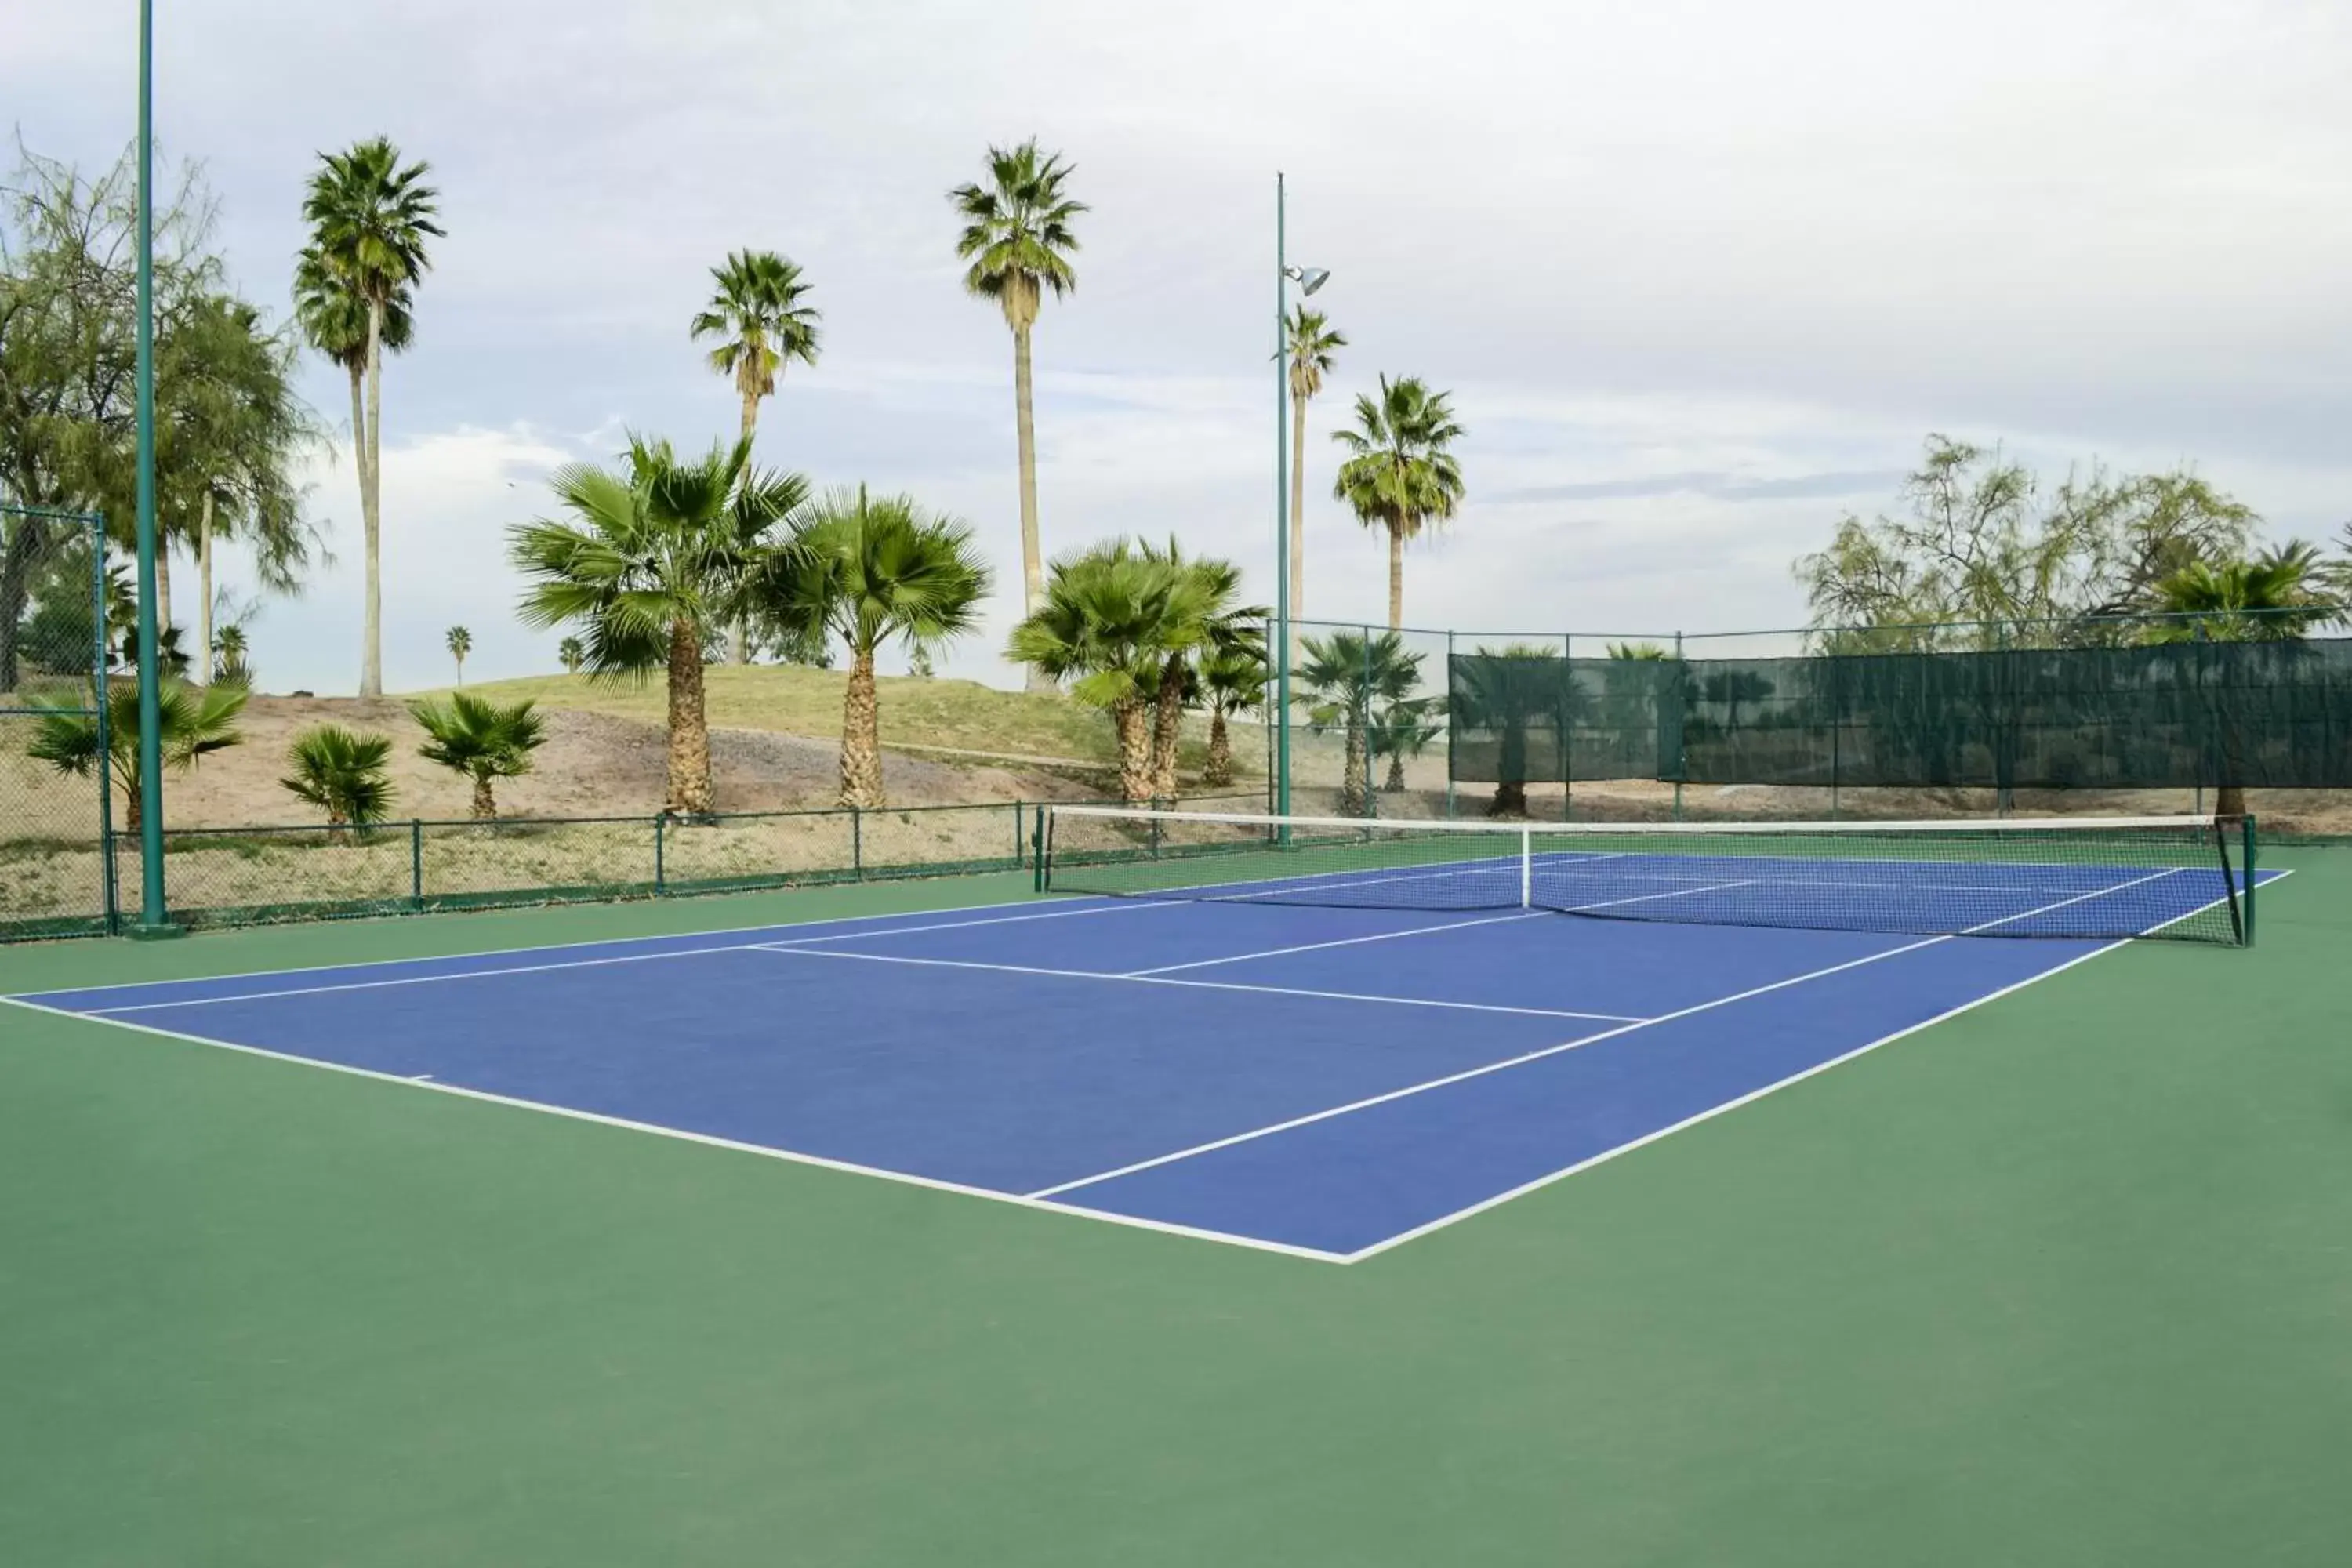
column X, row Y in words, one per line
column 2246, row 864
column 416, row 862
column 1526, row 868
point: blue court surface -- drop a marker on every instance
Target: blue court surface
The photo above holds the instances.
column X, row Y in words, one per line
column 1326, row 1082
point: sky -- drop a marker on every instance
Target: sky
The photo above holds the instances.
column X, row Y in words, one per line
column 1700, row 275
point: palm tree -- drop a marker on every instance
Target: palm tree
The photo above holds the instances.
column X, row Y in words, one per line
column 2276, row 597
column 1312, row 343
column 652, row 564
column 194, row 721
column 1018, row 239
column 342, row 771
column 572, row 655
column 1400, row 475
column 1103, row 625
column 870, row 571
column 461, row 643
column 1232, row 680
column 1347, row 676
column 1403, row 729
column 762, row 326
column 1508, row 692
column 1201, row 616
column 369, row 218
column 234, row 661
column 481, row 739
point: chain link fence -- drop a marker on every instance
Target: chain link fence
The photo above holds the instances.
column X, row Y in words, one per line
column 58, row 750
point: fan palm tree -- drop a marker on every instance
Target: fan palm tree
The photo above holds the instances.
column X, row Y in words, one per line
column 1401, row 475
column 1312, row 344
column 572, row 655
column 234, row 661
column 342, row 771
column 1232, row 680
column 2276, row 597
column 1103, row 625
column 756, row 314
column 482, row 740
column 1018, row 238
column 870, row 571
column 1202, row 617
column 1402, row 730
column 1508, row 692
column 194, row 721
column 460, row 643
column 1348, row 676
column 369, row 218
column 652, row 564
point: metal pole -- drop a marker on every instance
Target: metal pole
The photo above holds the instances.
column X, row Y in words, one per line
column 1281, row 505
column 1682, row 750
column 102, row 687
column 1450, row 718
column 152, row 920
column 1567, row 727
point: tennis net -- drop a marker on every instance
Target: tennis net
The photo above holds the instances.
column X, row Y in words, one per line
column 2188, row 878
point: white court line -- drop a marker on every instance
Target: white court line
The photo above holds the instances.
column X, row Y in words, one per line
column 1540, row 1055
column 1199, row 984
column 1341, row 942
column 1521, row 1060
column 706, row 1138
column 2080, row 898
column 532, row 947
column 1645, row 898
column 1753, row 1095
column 569, row 964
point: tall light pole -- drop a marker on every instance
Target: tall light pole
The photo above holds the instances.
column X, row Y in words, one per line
column 1310, row 280
column 153, row 919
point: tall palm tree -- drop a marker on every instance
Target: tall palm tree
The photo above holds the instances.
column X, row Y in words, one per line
column 870, row 571
column 1312, row 344
column 461, row 643
column 1348, row 676
column 1103, row 625
column 1018, row 238
column 1401, row 475
column 480, row 738
column 651, row 564
column 369, row 218
column 194, row 721
column 571, row 655
column 762, row 326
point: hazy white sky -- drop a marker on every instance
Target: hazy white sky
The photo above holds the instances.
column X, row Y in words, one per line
column 1700, row 273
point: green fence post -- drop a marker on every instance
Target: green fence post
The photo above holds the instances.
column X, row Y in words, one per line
column 416, row 862
column 1567, row 727
column 1450, row 718
column 2248, row 856
column 1017, row 815
column 100, row 686
column 661, row 821
column 1037, row 842
column 1682, row 763
column 856, row 844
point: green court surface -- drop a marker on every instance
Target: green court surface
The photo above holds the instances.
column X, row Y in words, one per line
column 2065, row 1279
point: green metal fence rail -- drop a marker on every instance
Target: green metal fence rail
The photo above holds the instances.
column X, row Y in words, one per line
column 217, row 877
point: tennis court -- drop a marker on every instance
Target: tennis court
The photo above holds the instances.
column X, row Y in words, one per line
column 1327, row 1061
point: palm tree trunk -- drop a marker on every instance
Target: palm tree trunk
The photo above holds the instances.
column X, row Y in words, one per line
column 689, row 731
column 1354, row 796
column 1134, row 727
column 1032, row 559
column 1395, row 784
column 1220, row 770
column 1396, row 578
column 861, row 734
column 163, row 577
column 205, row 588
column 485, row 805
column 371, row 513
column 751, row 429
column 1167, row 727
